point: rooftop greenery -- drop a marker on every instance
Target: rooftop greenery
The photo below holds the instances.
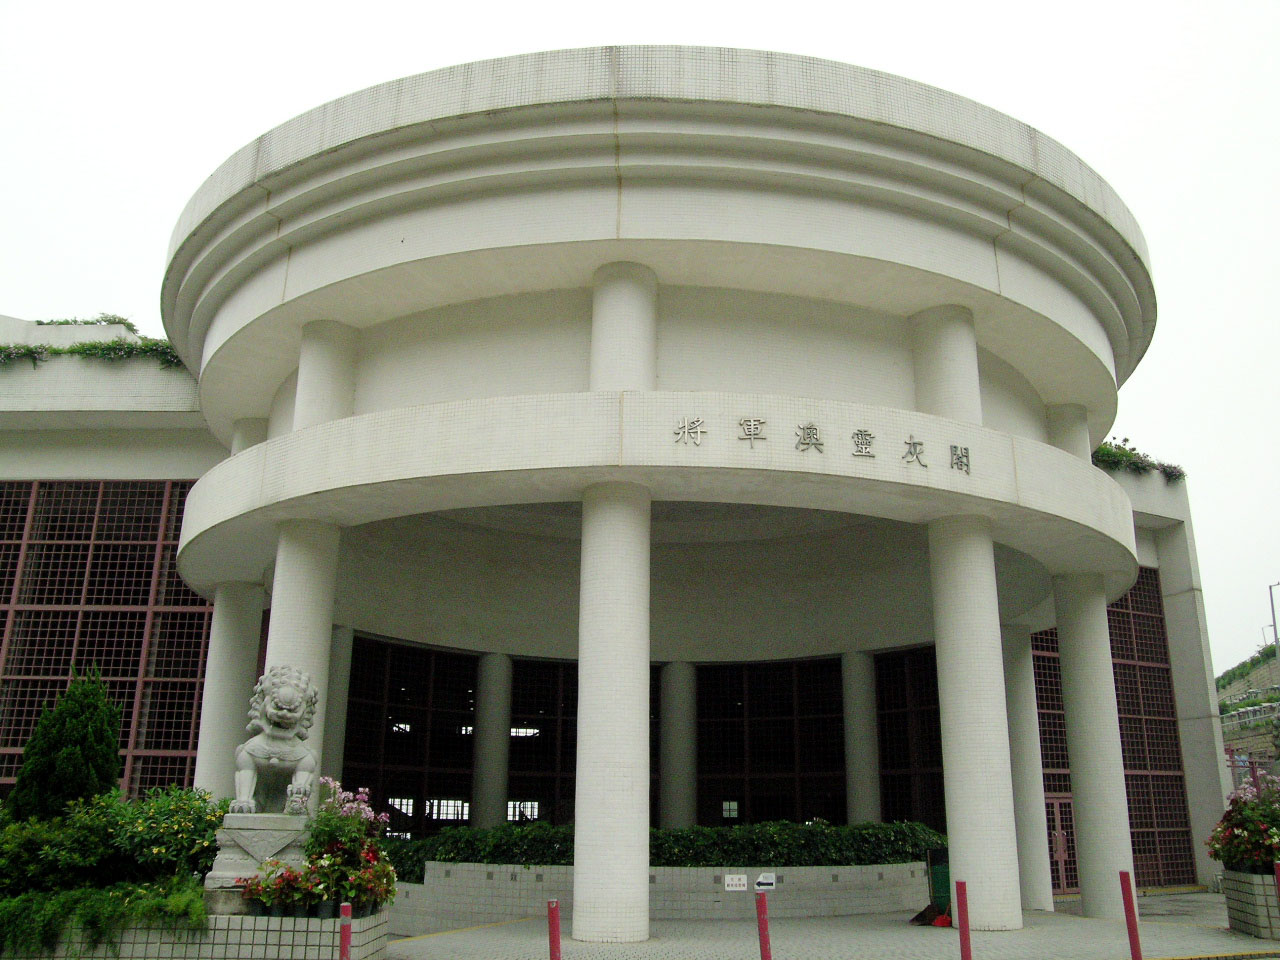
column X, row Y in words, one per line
column 1117, row 455
column 118, row 348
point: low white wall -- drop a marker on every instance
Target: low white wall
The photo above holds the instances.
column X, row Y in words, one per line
column 456, row 895
column 286, row 938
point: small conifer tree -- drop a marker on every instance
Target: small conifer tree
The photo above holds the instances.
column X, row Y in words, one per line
column 73, row 752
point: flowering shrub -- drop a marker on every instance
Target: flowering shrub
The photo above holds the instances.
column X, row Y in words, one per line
column 344, row 821
column 345, row 861
column 280, row 884
column 1247, row 838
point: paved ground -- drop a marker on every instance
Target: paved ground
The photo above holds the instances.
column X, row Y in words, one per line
column 1180, row 926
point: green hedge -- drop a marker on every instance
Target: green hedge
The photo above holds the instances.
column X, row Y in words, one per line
column 781, row 844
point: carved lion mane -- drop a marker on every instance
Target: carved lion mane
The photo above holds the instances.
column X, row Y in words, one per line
column 272, row 680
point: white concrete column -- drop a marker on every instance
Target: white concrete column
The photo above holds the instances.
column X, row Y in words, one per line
column 230, row 672
column 246, row 433
column 611, row 834
column 300, row 633
column 335, row 726
column 1028, row 770
column 624, row 328
column 945, row 356
column 1099, row 804
column 1204, row 766
column 678, row 759
column 975, row 733
column 326, row 374
column 492, row 741
column 1069, row 429
column 861, row 738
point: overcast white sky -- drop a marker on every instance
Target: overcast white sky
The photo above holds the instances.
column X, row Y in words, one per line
column 111, row 114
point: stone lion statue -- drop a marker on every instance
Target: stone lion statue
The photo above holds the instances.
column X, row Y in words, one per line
column 274, row 768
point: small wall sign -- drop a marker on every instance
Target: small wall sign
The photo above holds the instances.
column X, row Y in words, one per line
column 735, row 881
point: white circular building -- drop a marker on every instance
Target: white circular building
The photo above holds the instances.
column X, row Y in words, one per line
column 638, row 356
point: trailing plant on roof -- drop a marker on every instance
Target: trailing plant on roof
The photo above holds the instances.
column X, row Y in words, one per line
column 1117, row 455
column 118, row 349
column 101, row 320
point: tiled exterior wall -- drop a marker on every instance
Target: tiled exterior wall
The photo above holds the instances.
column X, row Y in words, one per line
column 88, row 578
column 463, row 894
column 1251, row 904
column 230, row 938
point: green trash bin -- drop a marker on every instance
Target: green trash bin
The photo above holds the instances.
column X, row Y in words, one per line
column 939, row 878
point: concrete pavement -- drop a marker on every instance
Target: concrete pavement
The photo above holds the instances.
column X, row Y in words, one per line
column 1182, row 926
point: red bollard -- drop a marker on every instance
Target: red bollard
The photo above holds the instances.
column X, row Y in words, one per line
column 962, row 920
column 553, row 928
column 762, row 925
column 344, row 936
column 1130, row 915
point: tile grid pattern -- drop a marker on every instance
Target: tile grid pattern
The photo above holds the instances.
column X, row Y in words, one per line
column 234, row 937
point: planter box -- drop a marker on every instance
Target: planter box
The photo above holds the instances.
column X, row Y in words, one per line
column 288, row 938
column 1252, row 904
column 464, row 894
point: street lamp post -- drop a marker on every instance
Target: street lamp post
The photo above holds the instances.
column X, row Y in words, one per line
column 1271, row 591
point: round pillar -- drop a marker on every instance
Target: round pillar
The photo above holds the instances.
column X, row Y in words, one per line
column 975, row 731
column 611, row 833
column 231, row 670
column 861, row 738
column 326, row 374
column 1028, row 770
column 679, row 747
column 624, row 338
column 246, row 433
column 1099, row 802
column 492, row 741
column 944, row 351
column 1069, row 429
column 300, row 633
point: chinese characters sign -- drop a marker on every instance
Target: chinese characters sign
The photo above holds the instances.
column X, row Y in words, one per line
column 809, row 437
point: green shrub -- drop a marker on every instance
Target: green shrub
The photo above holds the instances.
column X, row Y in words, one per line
column 73, row 752
column 108, row 839
column 34, row 921
column 780, row 844
column 57, row 854
column 168, row 831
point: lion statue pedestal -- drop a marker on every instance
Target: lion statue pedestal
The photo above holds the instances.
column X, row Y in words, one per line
column 245, row 840
column 274, row 773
